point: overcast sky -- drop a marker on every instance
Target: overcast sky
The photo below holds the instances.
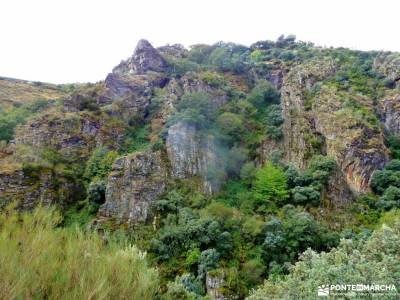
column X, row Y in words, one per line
column 64, row 41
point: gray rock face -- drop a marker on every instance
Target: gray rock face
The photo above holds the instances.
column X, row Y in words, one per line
column 135, row 182
column 130, row 93
column 73, row 135
column 390, row 114
column 144, row 59
column 192, row 155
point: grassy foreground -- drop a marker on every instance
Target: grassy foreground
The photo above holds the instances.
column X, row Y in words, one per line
column 39, row 260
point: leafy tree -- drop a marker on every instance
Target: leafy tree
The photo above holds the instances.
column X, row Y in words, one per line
column 393, row 165
column 248, row 172
column 230, row 124
column 237, row 156
column 271, row 184
column 322, row 167
column 293, row 233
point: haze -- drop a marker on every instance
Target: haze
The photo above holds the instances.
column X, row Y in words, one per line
column 81, row 41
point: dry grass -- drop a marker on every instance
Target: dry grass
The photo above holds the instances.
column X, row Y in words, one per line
column 14, row 92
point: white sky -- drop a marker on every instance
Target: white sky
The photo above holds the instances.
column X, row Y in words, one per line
column 63, row 41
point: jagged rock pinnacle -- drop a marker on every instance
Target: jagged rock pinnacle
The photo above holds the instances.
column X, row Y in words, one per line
column 145, row 59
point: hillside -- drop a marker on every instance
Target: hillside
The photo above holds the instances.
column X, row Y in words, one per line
column 15, row 92
column 224, row 163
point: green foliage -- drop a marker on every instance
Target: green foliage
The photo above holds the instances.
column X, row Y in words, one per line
column 228, row 57
column 296, row 231
column 274, row 120
column 183, row 232
column 197, row 109
column 137, row 139
column 390, row 199
column 100, row 163
column 270, row 185
column 306, row 196
column 67, row 263
column 386, row 182
column 9, row 119
column 96, row 192
column 393, row 143
column 208, row 260
column 231, row 124
column 263, row 94
column 377, row 257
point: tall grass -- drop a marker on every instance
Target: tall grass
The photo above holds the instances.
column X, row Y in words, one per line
column 39, row 260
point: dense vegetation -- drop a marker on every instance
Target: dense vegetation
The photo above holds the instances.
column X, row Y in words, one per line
column 268, row 221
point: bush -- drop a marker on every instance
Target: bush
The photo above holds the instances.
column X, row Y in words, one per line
column 263, row 94
column 230, row 124
column 390, row 199
column 42, row 261
column 208, row 261
column 293, row 233
column 306, row 196
column 97, row 192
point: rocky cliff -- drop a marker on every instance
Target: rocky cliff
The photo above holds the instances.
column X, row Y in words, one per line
column 145, row 91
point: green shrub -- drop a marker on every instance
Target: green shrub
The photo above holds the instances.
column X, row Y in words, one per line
column 100, row 163
column 306, row 196
column 263, row 94
column 390, row 199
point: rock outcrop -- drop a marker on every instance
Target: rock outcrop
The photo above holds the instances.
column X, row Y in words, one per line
column 325, row 124
column 74, row 135
column 30, row 187
column 298, row 124
column 388, row 64
column 144, row 59
column 135, row 182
